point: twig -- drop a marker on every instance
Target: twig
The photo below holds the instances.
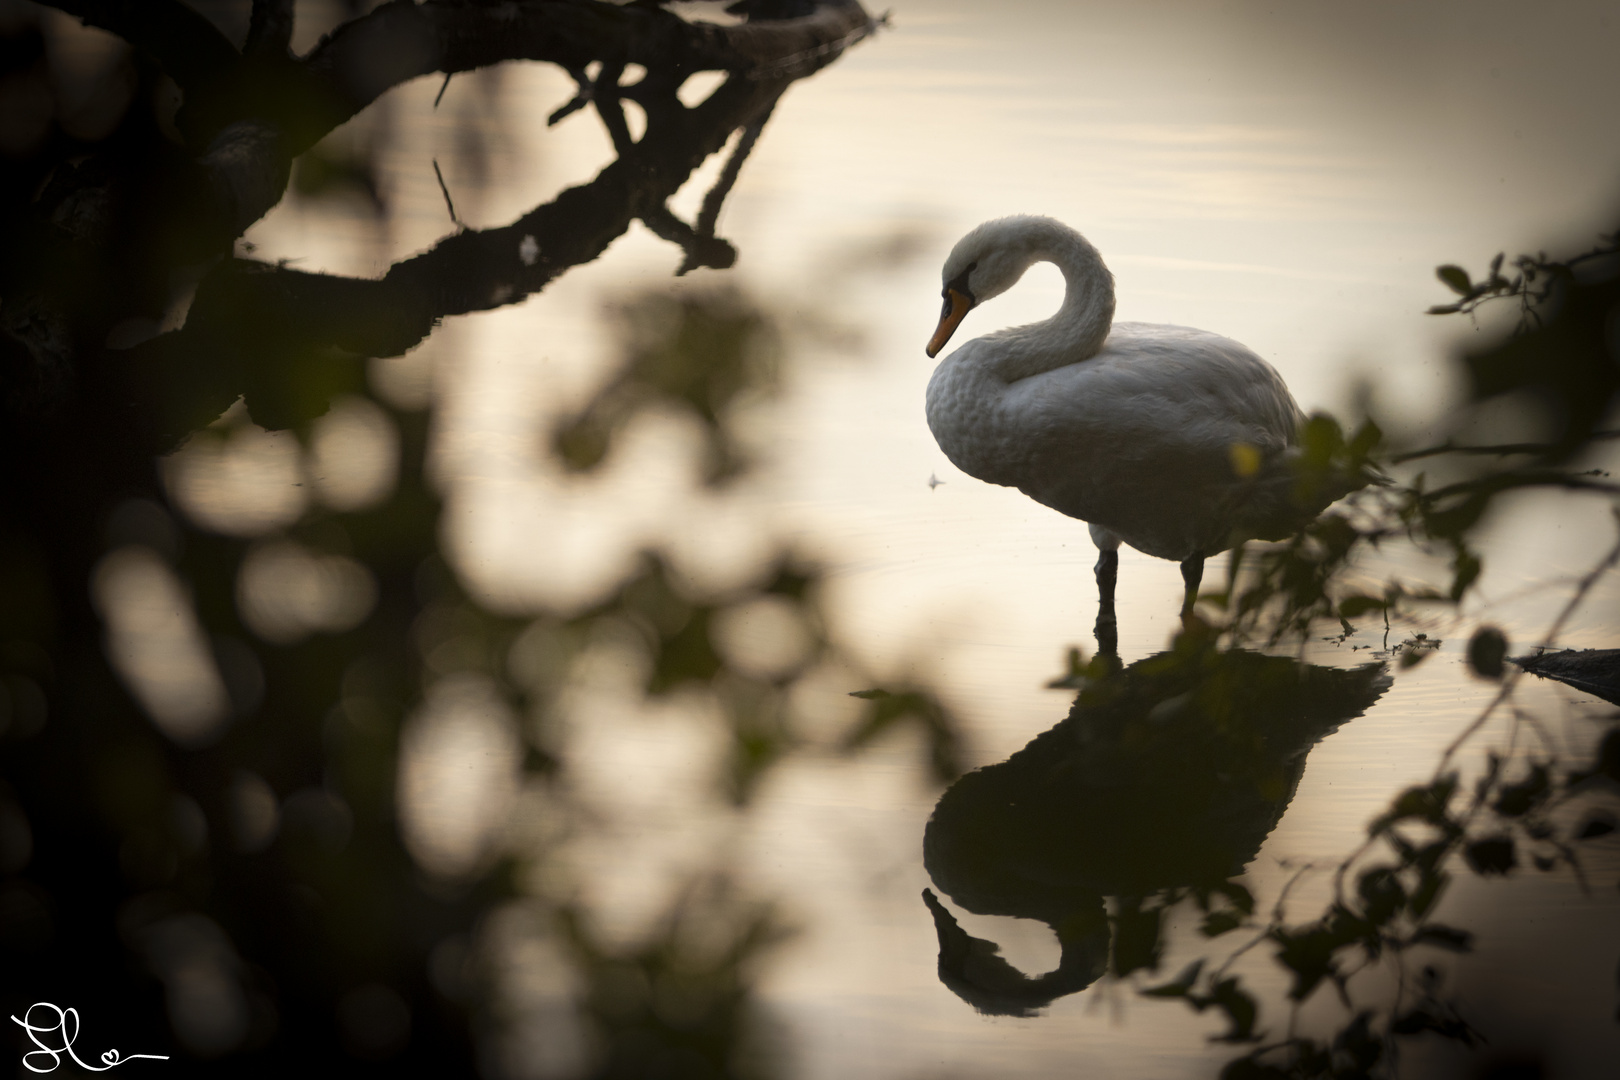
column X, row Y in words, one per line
column 610, row 107
column 1275, row 921
column 1502, row 449
column 445, row 190
column 709, row 216
column 582, row 96
column 1500, row 482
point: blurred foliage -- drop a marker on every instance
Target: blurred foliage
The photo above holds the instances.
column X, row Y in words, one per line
column 917, row 706
column 256, row 892
column 704, row 354
column 679, row 1003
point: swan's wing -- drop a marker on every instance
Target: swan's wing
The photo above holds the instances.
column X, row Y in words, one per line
column 1140, row 438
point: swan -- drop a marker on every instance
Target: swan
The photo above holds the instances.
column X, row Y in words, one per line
column 1175, row 441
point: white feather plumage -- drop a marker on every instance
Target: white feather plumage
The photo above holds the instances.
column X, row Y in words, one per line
column 1173, row 440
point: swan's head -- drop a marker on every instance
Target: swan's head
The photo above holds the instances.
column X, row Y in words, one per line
column 988, row 261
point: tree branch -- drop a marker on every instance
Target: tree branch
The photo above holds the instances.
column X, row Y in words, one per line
column 252, row 118
column 247, row 317
column 401, row 40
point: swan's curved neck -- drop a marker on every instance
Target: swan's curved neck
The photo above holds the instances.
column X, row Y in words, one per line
column 1081, row 325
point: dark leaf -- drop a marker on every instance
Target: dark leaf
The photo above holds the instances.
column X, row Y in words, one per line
column 1486, row 651
column 1360, row 1045
column 1455, row 278
column 1595, row 826
column 1220, row 922
column 1136, row 940
column 1444, row 937
column 1239, row 1007
column 1246, row 1068
column 1467, row 567
column 1516, row 800
column 1351, row 606
column 1309, row 955
column 1381, row 894
column 1180, row 985
column 1367, row 436
column 1608, row 759
column 1421, row 1020
column 1428, row 891
column 1493, row 855
column 1241, row 897
column 1424, row 803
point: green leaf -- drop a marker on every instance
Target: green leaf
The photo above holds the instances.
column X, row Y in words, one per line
column 870, row 695
column 1367, row 436
column 1075, row 677
column 1455, row 278
column 1444, row 309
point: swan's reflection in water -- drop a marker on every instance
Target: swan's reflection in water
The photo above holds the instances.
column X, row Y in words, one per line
column 1166, row 774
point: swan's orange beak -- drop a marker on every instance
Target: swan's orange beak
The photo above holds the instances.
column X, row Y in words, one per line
column 956, row 306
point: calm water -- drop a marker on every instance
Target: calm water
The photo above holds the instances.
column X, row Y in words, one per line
column 1287, row 178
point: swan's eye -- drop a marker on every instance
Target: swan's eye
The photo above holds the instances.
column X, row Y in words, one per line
column 960, row 284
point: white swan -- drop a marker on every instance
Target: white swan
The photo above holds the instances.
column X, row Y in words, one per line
column 1174, row 441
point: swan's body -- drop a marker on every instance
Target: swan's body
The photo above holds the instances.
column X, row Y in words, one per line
column 1172, row 440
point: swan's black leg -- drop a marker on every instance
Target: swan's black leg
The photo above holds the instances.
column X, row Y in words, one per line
column 1192, row 572
column 1107, row 628
column 1107, row 574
